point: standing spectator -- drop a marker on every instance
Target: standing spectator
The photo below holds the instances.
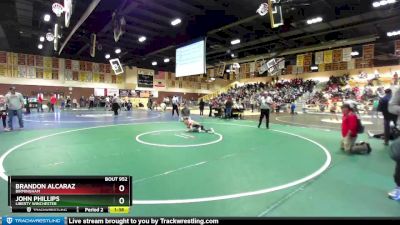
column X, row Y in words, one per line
column 15, row 103
column 53, row 101
column 228, row 108
column 292, row 108
column 210, row 105
column 201, row 107
column 91, row 101
column 40, row 102
column 252, row 103
column 129, row 105
column 115, row 105
column 394, row 108
column 3, row 111
column 82, row 102
column 349, row 128
column 265, row 106
column 175, row 102
column 387, row 116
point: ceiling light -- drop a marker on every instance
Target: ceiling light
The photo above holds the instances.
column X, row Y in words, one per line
column 393, row 33
column 376, row 4
column 176, row 22
column 50, row 37
column 107, row 56
column 41, row 39
column 233, row 55
column 142, row 39
column 117, row 51
column 40, row 46
column 46, row 17
column 154, row 63
column 235, row 42
column 166, row 60
column 355, row 53
column 314, row 20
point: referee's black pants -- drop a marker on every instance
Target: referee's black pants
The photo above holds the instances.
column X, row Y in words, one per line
column 264, row 112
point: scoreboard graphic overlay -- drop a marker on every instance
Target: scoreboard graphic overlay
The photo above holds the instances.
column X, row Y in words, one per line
column 76, row 194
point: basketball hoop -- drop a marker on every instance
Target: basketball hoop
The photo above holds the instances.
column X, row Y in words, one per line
column 58, row 9
column 263, row 9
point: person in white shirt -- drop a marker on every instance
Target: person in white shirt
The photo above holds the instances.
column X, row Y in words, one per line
column 15, row 102
column 3, row 110
column 175, row 103
column 265, row 106
column 91, row 101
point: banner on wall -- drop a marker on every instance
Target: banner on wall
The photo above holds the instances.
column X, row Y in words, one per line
column 337, row 55
column 319, row 58
column 346, row 54
column 82, row 76
column 3, row 70
column 300, row 60
column 21, row 59
column 368, row 51
column 47, row 62
column 54, row 75
column 328, row 56
column 100, row 92
column 47, row 74
column 397, row 48
column 55, row 62
column 22, row 71
column 112, row 91
column 75, row 65
column 307, row 59
column 3, row 57
column 351, row 65
column 39, row 61
column 68, row 75
column 96, row 77
column 39, row 73
column 30, row 61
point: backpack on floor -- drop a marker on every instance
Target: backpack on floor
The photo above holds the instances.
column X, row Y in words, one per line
column 361, row 148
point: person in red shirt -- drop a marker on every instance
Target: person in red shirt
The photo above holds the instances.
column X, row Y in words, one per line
column 349, row 128
column 53, row 101
column 40, row 102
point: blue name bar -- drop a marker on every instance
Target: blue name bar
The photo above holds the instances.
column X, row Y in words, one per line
column 19, row 220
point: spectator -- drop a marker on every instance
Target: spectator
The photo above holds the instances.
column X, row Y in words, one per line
column 91, row 101
column 40, row 102
column 387, row 116
column 3, row 111
column 116, row 104
column 349, row 128
column 185, row 112
column 15, row 103
column 201, row 107
column 265, row 106
column 228, row 107
column 53, row 101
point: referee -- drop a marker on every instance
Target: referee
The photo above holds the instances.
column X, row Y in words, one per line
column 265, row 106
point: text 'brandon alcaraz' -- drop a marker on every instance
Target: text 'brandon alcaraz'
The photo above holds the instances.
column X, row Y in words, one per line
column 35, row 188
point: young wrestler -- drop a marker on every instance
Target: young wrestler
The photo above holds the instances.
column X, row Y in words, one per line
column 194, row 126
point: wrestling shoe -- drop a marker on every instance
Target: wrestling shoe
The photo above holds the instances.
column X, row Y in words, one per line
column 211, row 130
column 395, row 194
column 370, row 134
column 7, row 129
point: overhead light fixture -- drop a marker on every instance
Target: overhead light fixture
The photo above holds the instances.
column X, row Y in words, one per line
column 355, row 53
column 46, row 18
column 228, row 70
column 263, row 9
column 377, row 4
column 235, row 42
column 176, row 21
column 314, row 20
column 314, row 68
column 41, row 39
column 393, row 33
column 117, row 51
column 107, row 56
column 154, row 63
column 50, row 37
column 233, row 55
column 40, row 46
column 166, row 60
column 142, row 39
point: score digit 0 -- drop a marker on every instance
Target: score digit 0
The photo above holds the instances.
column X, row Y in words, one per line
column 121, row 188
column 121, row 200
